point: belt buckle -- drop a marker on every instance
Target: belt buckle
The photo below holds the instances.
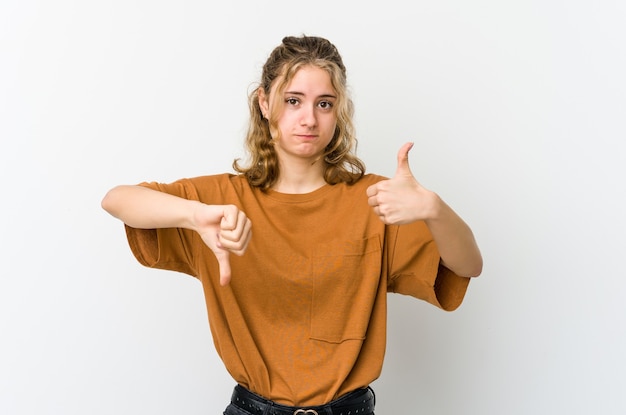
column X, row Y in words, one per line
column 305, row 412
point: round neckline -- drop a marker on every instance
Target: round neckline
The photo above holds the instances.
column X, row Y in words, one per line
column 299, row 197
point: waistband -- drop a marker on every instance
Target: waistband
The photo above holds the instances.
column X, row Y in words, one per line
column 358, row 402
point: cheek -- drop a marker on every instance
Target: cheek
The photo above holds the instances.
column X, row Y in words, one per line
column 284, row 123
column 330, row 128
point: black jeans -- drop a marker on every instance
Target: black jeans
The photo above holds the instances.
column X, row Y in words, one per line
column 351, row 403
column 233, row 410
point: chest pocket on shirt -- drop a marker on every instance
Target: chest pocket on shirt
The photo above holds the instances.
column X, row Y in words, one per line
column 345, row 281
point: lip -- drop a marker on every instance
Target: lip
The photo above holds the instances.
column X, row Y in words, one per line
column 307, row 137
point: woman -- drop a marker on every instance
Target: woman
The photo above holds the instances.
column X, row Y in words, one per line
column 298, row 313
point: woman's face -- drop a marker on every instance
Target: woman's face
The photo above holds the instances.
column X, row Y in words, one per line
column 307, row 120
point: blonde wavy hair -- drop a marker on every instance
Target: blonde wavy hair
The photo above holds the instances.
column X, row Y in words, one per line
column 340, row 162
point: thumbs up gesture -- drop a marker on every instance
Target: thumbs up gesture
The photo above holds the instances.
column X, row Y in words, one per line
column 401, row 199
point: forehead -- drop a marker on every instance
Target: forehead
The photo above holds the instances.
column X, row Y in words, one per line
column 311, row 80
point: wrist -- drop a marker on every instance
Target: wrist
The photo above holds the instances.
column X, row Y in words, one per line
column 435, row 206
column 196, row 213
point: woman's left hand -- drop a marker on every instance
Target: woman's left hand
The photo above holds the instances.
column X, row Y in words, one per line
column 402, row 199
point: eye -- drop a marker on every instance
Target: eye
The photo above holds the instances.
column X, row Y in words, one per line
column 325, row 105
column 292, row 101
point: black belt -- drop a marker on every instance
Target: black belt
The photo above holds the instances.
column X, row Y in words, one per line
column 358, row 402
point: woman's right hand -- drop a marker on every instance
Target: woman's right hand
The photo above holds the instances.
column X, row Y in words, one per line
column 224, row 229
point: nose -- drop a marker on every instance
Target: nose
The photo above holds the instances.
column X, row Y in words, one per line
column 308, row 116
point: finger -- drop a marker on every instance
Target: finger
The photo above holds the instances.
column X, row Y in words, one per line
column 239, row 246
column 372, row 201
column 403, row 160
column 372, row 190
column 248, row 237
column 223, row 261
column 229, row 217
column 234, row 238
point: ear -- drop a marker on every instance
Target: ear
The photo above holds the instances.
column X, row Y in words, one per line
column 263, row 103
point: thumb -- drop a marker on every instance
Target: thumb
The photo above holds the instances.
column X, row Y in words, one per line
column 403, row 160
column 223, row 261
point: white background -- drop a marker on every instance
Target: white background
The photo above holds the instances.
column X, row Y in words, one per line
column 517, row 109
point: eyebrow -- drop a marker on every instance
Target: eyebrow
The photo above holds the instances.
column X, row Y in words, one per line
column 302, row 94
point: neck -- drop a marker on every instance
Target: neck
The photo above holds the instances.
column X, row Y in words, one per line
column 301, row 177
